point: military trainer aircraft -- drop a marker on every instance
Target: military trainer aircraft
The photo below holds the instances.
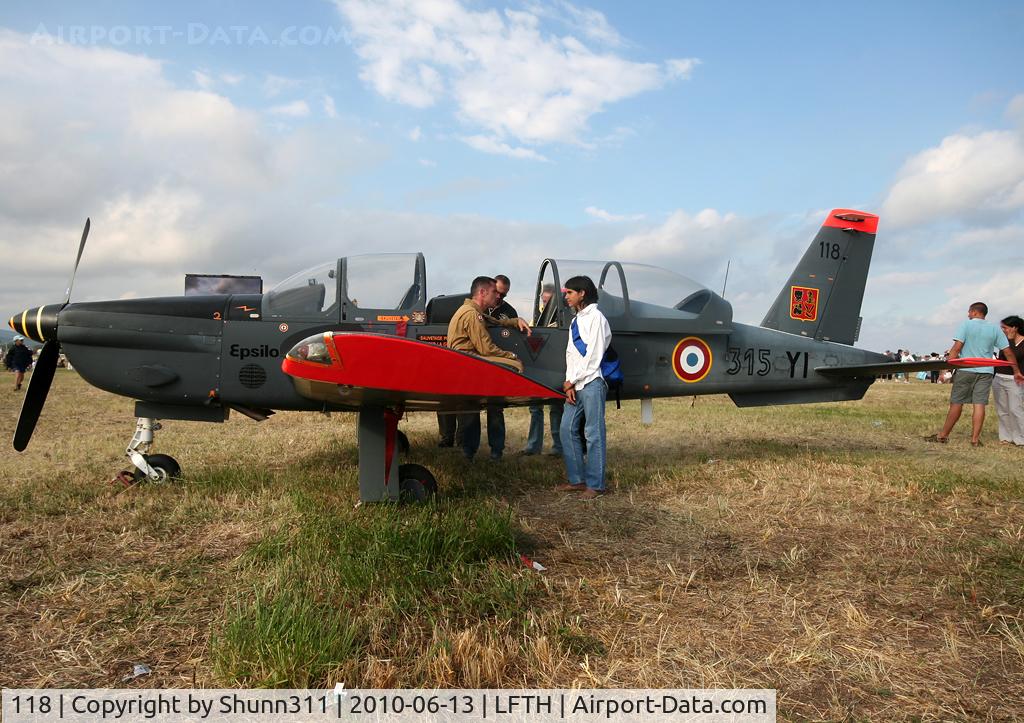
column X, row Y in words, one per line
column 361, row 334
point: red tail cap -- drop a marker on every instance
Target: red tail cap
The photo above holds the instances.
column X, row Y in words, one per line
column 856, row 220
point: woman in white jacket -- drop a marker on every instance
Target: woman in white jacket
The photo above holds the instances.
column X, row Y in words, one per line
column 585, row 390
column 1008, row 395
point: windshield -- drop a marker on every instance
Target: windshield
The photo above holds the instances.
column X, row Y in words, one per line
column 312, row 292
column 382, row 281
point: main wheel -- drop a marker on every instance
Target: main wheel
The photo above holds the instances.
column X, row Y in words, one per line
column 402, row 441
column 415, row 483
column 165, row 466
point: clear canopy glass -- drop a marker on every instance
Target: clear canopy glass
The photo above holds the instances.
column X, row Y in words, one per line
column 308, row 293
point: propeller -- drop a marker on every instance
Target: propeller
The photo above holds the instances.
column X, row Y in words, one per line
column 45, row 330
column 35, row 397
column 78, row 259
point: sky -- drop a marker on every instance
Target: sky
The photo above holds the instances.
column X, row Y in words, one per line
column 263, row 138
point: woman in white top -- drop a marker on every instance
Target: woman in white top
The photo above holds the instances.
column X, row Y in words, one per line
column 585, row 390
column 1008, row 395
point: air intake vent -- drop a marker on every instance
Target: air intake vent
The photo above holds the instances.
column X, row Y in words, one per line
column 252, row 376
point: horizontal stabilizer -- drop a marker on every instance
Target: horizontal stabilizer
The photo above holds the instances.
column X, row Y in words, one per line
column 876, row 370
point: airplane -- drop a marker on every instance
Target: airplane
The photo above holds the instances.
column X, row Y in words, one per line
column 360, row 334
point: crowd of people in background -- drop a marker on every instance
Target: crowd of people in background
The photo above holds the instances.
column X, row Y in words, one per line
column 905, row 355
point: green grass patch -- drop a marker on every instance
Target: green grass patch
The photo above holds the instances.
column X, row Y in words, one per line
column 945, row 481
column 321, row 589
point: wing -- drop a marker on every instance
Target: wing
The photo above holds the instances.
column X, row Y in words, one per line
column 355, row 370
column 877, row 370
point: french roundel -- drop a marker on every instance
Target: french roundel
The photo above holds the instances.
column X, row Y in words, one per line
column 691, row 359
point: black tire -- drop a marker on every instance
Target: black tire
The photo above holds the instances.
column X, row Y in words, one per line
column 402, row 441
column 165, row 465
column 416, row 483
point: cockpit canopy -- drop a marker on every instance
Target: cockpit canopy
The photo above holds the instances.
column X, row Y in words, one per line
column 631, row 296
column 386, row 287
column 353, row 288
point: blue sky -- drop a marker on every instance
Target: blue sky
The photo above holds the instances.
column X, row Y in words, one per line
column 259, row 137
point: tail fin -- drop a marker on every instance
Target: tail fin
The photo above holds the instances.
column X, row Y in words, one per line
column 823, row 296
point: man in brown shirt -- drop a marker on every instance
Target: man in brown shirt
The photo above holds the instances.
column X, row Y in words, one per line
column 467, row 332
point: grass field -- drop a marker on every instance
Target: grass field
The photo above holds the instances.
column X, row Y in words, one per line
column 822, row 550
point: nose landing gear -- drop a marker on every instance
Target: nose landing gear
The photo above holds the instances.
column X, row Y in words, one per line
column 148, row 467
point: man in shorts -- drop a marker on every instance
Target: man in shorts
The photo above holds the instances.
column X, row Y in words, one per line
column 971, row 385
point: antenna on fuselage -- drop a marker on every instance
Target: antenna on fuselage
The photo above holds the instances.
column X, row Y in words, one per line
column 727, row 264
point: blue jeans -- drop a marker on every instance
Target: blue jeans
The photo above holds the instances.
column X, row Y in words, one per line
column 535, row 440
column 470, row 424
column 587, row 469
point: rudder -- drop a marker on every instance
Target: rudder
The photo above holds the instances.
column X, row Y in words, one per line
column 823, row 296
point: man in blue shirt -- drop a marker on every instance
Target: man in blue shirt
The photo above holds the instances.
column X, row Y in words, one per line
column 975, row 338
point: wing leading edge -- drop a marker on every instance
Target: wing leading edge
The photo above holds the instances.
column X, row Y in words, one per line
column 353, row 370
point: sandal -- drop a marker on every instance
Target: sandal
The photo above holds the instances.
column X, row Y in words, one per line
column 936, row 438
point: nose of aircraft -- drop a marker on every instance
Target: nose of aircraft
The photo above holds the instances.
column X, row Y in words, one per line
column 39, row 324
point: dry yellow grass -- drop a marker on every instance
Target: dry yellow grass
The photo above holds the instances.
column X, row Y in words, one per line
column 825, row 551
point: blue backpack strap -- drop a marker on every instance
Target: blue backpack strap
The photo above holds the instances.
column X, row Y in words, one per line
column 577, row 340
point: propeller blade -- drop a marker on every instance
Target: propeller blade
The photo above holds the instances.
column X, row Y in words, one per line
column 81, row 248
column 35, row 397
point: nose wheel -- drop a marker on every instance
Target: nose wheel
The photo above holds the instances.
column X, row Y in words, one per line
column 148, row 467
column 164, row 467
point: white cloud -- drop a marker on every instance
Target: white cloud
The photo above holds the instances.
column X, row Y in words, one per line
column 972, row 178
column 881, row 282
column 1015, row 110
column 427, row 163
column 203, row 80
column 1001, row 290
column 295, row 109
column 504, row 74
column 329, row 108
column 415, row 134
column 1010, row 236
column 274, row 85
column 601, row 214
column 588, row 22
column 175, row 179
column 693, row 237
column 682, row 67
column 495, row 146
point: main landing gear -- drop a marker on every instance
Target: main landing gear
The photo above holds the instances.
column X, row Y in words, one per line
column 148, row 467
column 381, row 477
